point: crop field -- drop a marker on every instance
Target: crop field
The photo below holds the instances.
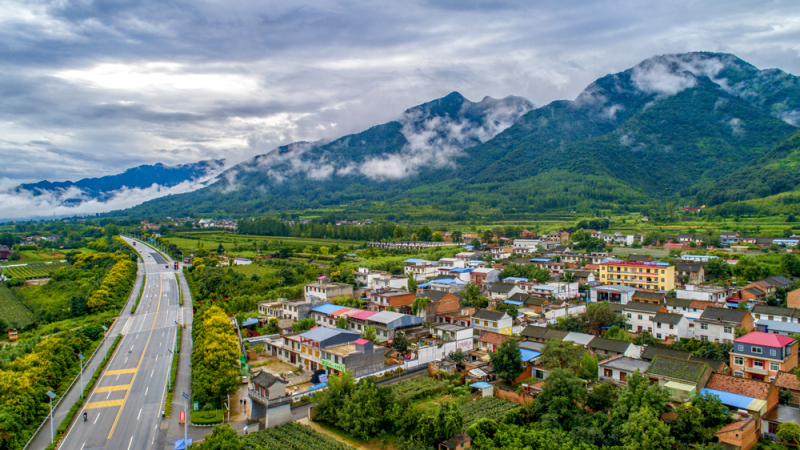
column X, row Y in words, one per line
column 291, row 436
column 31, row 271
column 254, row 269
column 417, row 387
column 243, row 243
column 489, row 407
column 12, row 311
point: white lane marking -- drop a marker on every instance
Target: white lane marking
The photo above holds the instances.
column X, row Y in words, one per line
column 140, row 414
column 98, row 416
column 162, row 333
column 126, row 360
column 129, row 443
column 109, row 395
column 151, row 373
column 132, row 347
column 146, row 391
column 84, row 443
column 156, row 357
column 159, row 344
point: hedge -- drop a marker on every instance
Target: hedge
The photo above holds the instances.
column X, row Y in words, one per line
column 141, row 290
column 214, row 417
column 173, row 375
column 180, row 295
column 86, row 390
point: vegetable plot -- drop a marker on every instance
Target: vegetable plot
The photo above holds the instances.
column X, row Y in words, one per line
column 417, row 388
column 291, row 436
column 489, row 407
column 12, row 311
column 33, row 270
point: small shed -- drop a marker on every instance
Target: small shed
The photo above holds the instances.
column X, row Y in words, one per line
column 458, row 442
column 486, row 389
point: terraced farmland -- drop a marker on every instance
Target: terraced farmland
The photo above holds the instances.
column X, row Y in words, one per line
column 488, row 407
column 291, row 436
column 31, row 271
column 12, row 311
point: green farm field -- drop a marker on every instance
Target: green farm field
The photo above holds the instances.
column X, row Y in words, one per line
column 245, row 245
column 254, row 269
column 33, row 271
column 12, row 311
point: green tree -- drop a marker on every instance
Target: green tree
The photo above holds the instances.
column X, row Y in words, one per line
column 568, row 277
column 558, row 354
column 437, row 237
column 412, row 283
column 714, row 413
column 369, row 334
column 342, row 323
column 472, row 296
column 602, row 397
column 618, row 333
column 304, row 324
column 589, row 367
column 476, row 243
column 507, row 361
column 598, row 316
column 557, row 405
column 399, row 233
column 424, row 233
column 644, row 431
column 457, row 236
column 790, row 264
column 688, row 426
column 222, row 438
column 640, row 394
column 363, row 411
column 789, row 432
column 400, row 343
column 645, row 338
column 391, row 308
column 420, row 305
column 110, row 231
column 457, row 356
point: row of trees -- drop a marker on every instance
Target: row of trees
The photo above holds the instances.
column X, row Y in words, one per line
column 215, row 355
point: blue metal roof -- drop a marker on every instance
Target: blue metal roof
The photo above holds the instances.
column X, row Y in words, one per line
column 514, row 279
column 513, row 302
column 250, row 321
column 317, row 386
column 481, row 385
column 423, row 285
column 461, row 270
column 326, row 308
column 319, row 334
column 540, row 260
column 529, row 355
column 414, row 260
column 448, row 281
column 734, row 400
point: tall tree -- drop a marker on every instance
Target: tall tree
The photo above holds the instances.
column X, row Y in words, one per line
column 342, row 323
column 507, row 360
column 644, row 431
column 400, row 343
column 369, row 334
column 640, row 394
column 222, row 438
column 558, row 354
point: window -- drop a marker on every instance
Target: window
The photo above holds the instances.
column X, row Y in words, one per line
column 738, row 374
column 755, row 350
column 703, row 338
column 649, row 329
column 650, row 318
column 758, row 364
column 622, row 376
column 608, row 373
column 772, row 352
column 727, row 330
column 658, row 325
column 703, row 326
column 775, row 367
column 658, row 335
column 629, row 315
column 738, row 360
column 773, row 428
column 740, row 347
column 640, row 317
column 671, row 327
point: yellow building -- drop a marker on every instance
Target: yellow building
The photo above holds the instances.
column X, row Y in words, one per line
column 647, row 275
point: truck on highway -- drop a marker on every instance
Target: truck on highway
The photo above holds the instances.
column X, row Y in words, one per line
column 176, row 265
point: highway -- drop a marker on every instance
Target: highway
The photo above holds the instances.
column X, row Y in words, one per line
column 124, row 408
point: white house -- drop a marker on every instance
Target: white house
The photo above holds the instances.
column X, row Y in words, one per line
column 719, row 324
column 528, row 245
column 492, row 321
column 704, row 293
column 453, row 338
column 618, row 368
column 640, row 315
column 612, row 294
column 676, row 326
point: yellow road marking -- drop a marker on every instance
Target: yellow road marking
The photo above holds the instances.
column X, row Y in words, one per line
column 150, row 335
column 121, row 371
column 119, row 387
column 104, row 404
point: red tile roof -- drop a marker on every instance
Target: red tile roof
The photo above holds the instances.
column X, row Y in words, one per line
column 766, row 339
column 741, row 386
column 787, row 380
column 493, row 338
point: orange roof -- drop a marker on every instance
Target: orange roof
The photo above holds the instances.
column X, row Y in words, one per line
column 787, row 380
column 741, row 386
column 492, row 338
column 735, row 426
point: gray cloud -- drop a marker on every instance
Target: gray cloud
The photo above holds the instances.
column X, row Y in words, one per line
column 91, row 88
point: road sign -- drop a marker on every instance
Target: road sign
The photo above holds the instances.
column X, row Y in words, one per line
column 81, row 356
column 196, row 406
column 51, row 394
column 182, row 417
column 323, row 378
column 185, row 395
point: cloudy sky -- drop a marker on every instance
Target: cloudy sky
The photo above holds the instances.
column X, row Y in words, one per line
column 91, row 88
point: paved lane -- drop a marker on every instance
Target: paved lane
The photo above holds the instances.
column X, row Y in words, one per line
column 124, row 409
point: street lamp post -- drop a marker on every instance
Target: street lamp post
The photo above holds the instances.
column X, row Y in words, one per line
column 52, row 395
column 82, row 358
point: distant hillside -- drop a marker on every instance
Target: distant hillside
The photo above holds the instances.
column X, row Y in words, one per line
column 141, row 177
column 675, row 127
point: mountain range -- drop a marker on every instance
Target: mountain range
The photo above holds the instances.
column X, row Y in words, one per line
column 699, row 128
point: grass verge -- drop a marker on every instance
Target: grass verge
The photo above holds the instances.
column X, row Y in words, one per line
column 180, row 294
column 141, row 290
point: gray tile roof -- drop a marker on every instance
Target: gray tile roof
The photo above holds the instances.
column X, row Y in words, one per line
column 488, row 315
column 772, row 310
column 668, row 318
column 644, row 307
column 501, row 288
column 713, row 314
column 625, row 364
column 532, row 331
column 609, row 345
column 677, row 302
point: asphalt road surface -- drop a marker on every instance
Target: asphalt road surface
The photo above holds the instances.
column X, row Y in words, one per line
column 124, row 409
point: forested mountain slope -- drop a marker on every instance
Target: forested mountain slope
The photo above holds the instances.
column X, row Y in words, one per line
column 673, row 127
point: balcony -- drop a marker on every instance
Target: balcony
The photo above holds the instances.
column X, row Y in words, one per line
column 255, row 395
column 756, row 370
